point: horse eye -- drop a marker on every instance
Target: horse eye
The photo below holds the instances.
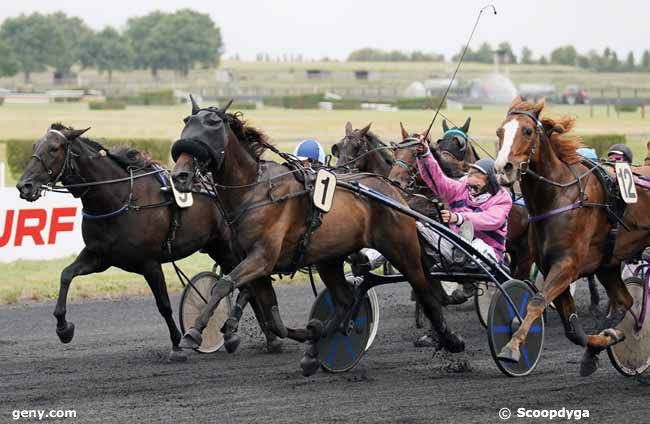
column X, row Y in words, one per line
column 528, row 131
column 500, row 132
column 187, row 118
column 54, row 149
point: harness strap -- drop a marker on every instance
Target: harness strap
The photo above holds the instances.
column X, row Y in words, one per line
column 554, row 212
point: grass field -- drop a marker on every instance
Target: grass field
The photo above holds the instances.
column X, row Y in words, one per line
column 25, row 280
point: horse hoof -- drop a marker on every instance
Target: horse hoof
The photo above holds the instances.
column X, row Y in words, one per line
column 274, row 346
column 231, row 342
column 177, row 355
column 66, row 333
column 589, row 364
column 453, row 343
column 309, row 365
column 458, row 297
column 508, row 354
column 192, row 339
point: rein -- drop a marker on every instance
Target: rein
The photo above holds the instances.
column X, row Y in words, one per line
column 66, row 171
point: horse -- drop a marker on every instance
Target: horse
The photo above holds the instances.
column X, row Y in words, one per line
column 570, row 225
column 127, row 221
column 267, row 207
column 363, row 150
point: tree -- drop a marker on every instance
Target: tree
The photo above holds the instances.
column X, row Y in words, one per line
column 629, row 62
column 73, row 31
column 645, row 60
column 566, row 55
column 542, row 60
column 107, row 51
column 506, row 49
column 484, row 54
column 138, row 31
column 34, row 41
column 9, row 65
column 182, row 39
column 526, row 56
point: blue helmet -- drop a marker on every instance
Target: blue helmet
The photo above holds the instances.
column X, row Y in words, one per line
column 486, row 166
column 310, row 149
column 587, row 152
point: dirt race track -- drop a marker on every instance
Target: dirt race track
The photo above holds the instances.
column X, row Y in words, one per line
column 116, row 370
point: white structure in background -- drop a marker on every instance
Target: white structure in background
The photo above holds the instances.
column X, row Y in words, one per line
column 415, row 89
column 493, row 89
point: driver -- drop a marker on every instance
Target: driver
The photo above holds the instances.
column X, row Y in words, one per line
column 310, row 153
column 476, row 201
column 620, row 153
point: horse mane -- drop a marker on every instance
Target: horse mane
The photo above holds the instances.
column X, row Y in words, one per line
column 125, row 156
column 564, row 145
column 254, row 140
column 376, row 143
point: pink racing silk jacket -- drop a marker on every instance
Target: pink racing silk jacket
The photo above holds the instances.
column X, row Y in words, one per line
column 489, row 218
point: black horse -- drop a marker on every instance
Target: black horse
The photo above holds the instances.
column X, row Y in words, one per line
column 129, row 223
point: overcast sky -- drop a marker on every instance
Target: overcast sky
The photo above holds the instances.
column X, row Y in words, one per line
column 335, row 27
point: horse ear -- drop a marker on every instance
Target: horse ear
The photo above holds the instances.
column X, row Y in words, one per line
column 225, row 108
column 335, row 150
column 195, row 106
column 465, row 126
column 539, row 106
column 405, row 133
column 445, row 127
column 348, row 128
column 365, row 130
column 72, row 134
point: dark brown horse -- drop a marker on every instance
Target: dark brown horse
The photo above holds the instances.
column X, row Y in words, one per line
column 127, row 223
column 362, row 150
column 570, row 227
column 268, row 208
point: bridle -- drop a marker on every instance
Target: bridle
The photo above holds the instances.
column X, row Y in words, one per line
column 67, row 162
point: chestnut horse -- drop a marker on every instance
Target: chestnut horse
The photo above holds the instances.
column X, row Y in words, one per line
column 570, row 227
column 267, row 209
column 128, row 223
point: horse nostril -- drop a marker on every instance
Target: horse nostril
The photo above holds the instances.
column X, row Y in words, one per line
column 508, row 167
column 182, row 176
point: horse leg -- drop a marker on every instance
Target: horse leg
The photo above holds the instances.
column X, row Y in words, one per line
column 558, row 280
column 265, row 305
column 229, row 328
column 84, row 264
column 594, row 296
column 152, row 272
column 257, row 264
column 566, row 308
column 331, row 272
column 620, row 302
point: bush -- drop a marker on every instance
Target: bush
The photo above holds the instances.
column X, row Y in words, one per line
column 347, row 104
column 418, row 103
column 602, row 142
column 626, row 108
column 158, row 98
column 472, row 107
column 242, row 106
column 19, row 151
column 108, row 105
column 2, row 100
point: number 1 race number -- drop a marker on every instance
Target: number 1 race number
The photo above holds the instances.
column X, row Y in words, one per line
column 183, row 200
column 324, row 190
column 626, row 182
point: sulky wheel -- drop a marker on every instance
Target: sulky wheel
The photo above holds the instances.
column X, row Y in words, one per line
column 194, row 298
column 502, row 324
column 482, row 300
column 339, row 352
column 632, row 356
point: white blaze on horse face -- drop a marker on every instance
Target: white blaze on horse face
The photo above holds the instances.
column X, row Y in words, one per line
column 509, row 133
